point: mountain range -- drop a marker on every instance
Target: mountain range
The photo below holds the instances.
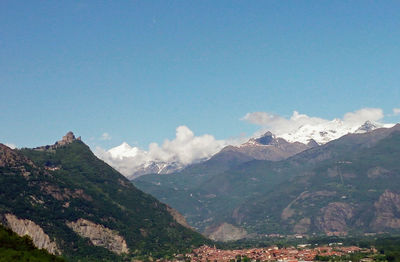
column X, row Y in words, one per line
column 134, row 162
column 349, row 185
column 329, row 130
column 74, row 205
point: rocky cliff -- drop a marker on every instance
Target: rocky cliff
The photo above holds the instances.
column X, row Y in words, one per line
column 10, row 158
column 334, row 219
column 67, row 199
column 387, row 211
column 226, row 232
column 100, row 235
column 178, row 217
column 27, row 227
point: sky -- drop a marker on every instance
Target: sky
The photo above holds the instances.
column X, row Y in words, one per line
column 142, row 71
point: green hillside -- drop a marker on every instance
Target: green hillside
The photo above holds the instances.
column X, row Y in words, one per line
column 66, row 183
column 348, row 186
column 355, row 192
column 16, row 248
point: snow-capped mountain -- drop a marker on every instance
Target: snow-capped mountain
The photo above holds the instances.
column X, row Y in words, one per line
column 331, row 130
column 133, row 161
column 266, row 147
column 185, row 149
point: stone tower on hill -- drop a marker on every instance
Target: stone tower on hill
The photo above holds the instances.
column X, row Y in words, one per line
column 67, row 139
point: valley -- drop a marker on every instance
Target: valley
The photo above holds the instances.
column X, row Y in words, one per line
column 182, row 130
column 265, row 191
column 344, row 187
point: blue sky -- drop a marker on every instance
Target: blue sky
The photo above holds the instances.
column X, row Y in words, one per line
column 139, row 69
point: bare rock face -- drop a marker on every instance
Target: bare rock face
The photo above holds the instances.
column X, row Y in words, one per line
column 288, row 212
column 64, row 194
column 226, row 232
column 178, row 217
column 334, row 218
column 302, row 226
column 387, row 211
column 294, row 207
column 269, row 147
column 10, row 158
column 27, row 227
column 377, row 172
column 100, row 235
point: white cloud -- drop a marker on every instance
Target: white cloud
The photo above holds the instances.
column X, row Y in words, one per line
column 10, row 145
column 302, row 128
column 362, row 115
column 105, row 136
column 184, row 149
column 187, row 148
column 396, row 111
column 279, row 124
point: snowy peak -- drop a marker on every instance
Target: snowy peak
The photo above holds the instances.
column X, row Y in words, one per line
column 312, row 143
column 155, row 167
column 132, row 162
column 267, row 139
column 367, row 127
column 265, row 147
column 173, row 155
column 328, row 131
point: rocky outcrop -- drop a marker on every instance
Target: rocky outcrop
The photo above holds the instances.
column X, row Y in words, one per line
column 287, row 212
column 312, row 143
column 65, row 193
column 334, row 219
column 377, row 172
column 178, row 217
column 11, row 158
column 27, row 227
column 226, row 232
column 268, row 147
column 67, row 139
column 295, row 205
column 387, row 211
column 100, row 235
column 302, row 226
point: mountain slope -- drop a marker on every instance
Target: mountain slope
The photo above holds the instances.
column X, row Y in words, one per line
column 134, row 162
column 356, row 191
column 327, row 189
column 83, row 207
column 267, row 147
column 16, row 248
column 184, row 189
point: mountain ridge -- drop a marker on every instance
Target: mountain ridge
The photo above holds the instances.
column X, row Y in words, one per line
column 134, row 162
column 259, row 196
